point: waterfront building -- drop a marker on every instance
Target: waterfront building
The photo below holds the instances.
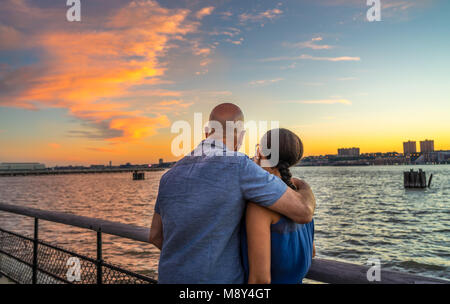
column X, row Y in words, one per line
column 348, row 152
column 409, row 147
column 21, row 166
column 97, row 167
column 427, row 146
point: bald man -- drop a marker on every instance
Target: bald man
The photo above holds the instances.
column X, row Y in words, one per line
column 201, row 201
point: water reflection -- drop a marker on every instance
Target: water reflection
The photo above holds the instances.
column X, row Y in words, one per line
column 362, row 212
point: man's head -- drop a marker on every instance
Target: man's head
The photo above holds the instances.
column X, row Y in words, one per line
column 226, row 122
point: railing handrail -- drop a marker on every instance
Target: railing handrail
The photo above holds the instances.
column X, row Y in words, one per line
column 128, row 231
column 321, row 270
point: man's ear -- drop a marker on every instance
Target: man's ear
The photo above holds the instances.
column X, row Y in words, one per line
column 208, row 132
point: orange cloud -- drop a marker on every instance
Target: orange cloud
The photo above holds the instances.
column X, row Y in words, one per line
column 204, row 12
column 93, row 69
column 138, row 127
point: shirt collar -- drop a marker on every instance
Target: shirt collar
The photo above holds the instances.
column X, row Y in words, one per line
column 210, row 147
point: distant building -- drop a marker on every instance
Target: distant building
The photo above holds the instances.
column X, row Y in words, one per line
column 427, row 146
column 110, row 163
column 409, row 147
column 161, row 161
column 97, row 166
column 348, row 152
column 22, row 166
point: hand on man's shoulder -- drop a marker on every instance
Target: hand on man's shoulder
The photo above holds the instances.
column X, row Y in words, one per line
column 300, row 184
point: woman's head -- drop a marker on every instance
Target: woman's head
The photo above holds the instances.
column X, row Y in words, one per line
column 290, row 152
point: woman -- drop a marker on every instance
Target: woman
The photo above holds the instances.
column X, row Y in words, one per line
column 276, row 249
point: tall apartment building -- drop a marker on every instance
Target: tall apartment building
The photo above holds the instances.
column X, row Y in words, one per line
column 409, row 147
column 348, row 152
column 427, row 146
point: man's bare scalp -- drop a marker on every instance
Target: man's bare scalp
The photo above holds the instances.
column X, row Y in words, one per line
column 226, row 112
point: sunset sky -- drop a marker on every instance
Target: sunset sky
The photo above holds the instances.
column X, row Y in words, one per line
column 110, row 87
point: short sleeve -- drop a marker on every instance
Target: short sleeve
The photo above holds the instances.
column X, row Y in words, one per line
column 162, row 182
column 157, row 206
column 258, row 185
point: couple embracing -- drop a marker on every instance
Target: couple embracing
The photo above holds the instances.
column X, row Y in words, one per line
column 221, row 217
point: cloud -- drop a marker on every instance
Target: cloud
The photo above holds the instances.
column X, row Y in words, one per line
column 236, row 42
column 230, row 33
column 262, row 16
column 204, row 12
column 264, row 82
column 226, row 15
column 139, row 127
column 175, row 106
column 97, row 70
column 390, row 9
column 309, row 57
column 10, row 37
column 288, row 67
column 325, row 101
column 399, row 4
column 311, row 44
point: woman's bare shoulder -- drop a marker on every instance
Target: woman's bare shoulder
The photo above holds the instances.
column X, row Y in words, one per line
column 262, row 213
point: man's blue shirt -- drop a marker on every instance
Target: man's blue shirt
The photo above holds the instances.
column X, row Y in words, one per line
column 201, row 201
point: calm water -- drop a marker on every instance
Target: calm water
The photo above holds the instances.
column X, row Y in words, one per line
column 362, row 212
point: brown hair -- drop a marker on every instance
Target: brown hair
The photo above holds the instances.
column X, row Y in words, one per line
column 290, row 153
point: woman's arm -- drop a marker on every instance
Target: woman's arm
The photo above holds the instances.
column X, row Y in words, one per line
column 156, row 232
column 258, row 221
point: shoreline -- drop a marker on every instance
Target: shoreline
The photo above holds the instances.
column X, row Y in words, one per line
column 11, row 173
column 369, row 165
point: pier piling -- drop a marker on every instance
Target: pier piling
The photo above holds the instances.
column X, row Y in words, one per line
column 413, row 179
column 138, row 175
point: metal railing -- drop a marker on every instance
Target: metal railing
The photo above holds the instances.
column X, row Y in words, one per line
column 30, row 260
column 25, row 259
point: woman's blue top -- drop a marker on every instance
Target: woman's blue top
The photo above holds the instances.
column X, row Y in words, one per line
column 291, row 251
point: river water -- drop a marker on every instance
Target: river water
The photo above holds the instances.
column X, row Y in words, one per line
column 362, row 213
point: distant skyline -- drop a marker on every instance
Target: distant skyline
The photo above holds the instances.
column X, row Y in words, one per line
column 109, row 87
column 162, row 160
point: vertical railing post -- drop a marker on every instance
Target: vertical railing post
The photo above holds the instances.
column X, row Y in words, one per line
column 99, row 257
column 35, row 250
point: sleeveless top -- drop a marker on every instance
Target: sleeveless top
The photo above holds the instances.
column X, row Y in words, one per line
column 291, row 251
